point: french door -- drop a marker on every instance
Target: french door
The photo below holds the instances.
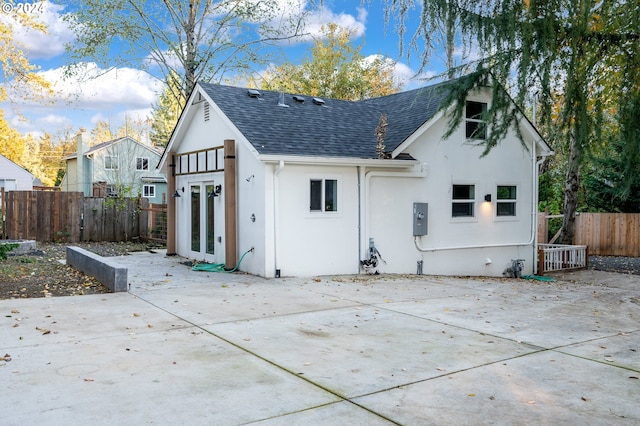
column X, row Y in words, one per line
column 202, row 210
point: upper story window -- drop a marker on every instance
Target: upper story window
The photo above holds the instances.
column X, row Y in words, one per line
column 111, row 162
column 142, row 163
column 476, row 127
column 462, row 201
column 506, row 200
column 323, row 195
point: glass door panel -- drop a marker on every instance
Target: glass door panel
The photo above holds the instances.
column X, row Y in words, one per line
column 195, row 218
column 210, row 219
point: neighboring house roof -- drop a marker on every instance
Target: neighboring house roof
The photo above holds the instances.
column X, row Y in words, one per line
column 331, row 128
column 18, row 167
column 103, row 145
column 110, row 143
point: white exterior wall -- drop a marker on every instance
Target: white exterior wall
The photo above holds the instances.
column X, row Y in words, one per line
column 315, row 243
column 250, row 193
column 390, row 208
column 14, row 177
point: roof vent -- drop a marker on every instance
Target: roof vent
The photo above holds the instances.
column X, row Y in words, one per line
column 318, row 101
column 298, row 99
column 281, row 101
column 254, row 93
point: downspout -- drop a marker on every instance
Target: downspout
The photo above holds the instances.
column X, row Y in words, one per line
column 276, row 187
column 360, row 172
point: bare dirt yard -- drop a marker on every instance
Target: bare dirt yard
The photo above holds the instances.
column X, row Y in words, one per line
column 41, row 274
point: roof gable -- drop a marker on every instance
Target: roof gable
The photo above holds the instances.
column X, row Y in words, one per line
column 107, row 144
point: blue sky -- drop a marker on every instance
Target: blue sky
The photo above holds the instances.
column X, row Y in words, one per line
column 131, row 92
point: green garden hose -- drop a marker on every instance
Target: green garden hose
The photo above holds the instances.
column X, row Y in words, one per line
column 218, row 267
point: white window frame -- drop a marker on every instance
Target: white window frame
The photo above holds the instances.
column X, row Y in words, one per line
column 471, row 201
column 113, row 160
column 148, row 191
column 513, row 201
column 479, row 122
column 142, row 159
column 323, row 201
column 112, row 190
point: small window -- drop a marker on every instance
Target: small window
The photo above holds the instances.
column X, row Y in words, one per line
column 323, row 195
column 463, row 200
column 112, row 190
column 506, row 203
column 476, row 127
column 111, row 162
column 149, row 191
column 142, row 163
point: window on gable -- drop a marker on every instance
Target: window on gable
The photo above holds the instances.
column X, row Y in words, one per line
column 323, row 195
column 476, row 127
column 111, row 162
column 148, row 191
column 463, row 200
column 506, row 200
column 142, row 163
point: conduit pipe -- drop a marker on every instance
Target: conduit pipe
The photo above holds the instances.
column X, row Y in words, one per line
column 371, row 174
column 534, row 211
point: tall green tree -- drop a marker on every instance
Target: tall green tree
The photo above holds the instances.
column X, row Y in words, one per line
column 335, row 69
column 586, row 51
column 166, row 112
column 194, row 39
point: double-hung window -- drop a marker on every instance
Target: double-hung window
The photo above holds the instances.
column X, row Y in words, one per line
column 323, row 195
column 476, row 127
column 463, row 200
column 111, row 162
column 506, row 200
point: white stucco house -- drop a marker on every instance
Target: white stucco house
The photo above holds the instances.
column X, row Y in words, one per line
column 299, row 182
column 14, row 177
column 115, row 167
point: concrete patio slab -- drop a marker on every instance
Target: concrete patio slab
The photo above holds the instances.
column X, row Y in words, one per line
column 185, row 347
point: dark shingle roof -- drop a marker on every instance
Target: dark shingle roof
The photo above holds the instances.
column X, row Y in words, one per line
column 335, row 129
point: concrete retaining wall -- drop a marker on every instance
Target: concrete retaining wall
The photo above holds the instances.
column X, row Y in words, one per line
column 108, row 272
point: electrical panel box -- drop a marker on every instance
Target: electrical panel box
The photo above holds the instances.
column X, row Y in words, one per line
column 420, row 218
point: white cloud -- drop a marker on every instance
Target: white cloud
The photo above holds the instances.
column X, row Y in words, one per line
column 42, row 44
column 315, row 21
column 94, row 87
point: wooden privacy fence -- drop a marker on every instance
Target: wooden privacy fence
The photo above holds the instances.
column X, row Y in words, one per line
column 606, row 234
column 609, row 234
column 71, row 217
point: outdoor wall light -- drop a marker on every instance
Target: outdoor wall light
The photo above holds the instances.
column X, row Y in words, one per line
column 487, row 198
column 216, row 191
column 177, row 194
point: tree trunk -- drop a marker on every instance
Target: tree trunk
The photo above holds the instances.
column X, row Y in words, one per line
column 191, row 46
column 572, row 184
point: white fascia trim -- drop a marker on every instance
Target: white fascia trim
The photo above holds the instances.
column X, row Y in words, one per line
column 339, row 161
column 415, row 135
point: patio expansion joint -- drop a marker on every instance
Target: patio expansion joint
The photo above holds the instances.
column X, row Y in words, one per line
column 278, row 366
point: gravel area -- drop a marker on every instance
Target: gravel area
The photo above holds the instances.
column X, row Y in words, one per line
column 622, row 265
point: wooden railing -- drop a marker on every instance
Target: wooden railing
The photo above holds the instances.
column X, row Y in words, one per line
column 558, row 257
